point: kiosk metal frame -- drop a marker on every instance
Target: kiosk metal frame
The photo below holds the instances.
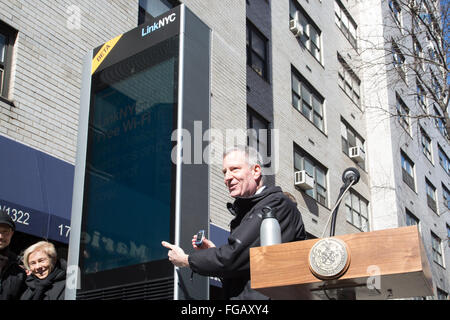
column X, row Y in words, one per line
column 190, row 181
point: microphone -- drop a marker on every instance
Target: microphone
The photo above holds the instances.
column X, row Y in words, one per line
column 350, row 177
column 351, row 174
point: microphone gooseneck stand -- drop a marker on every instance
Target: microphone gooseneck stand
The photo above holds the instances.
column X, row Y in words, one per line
column 350, row 177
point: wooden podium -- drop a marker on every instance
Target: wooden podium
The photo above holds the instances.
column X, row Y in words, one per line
column 383, row 264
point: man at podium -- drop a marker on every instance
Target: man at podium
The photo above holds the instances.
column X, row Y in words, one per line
column 243, row 177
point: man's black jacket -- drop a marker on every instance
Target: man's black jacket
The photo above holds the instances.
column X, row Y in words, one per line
column 231, row 262
column 12, row 278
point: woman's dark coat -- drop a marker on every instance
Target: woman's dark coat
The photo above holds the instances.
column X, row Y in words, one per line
column 50, row 288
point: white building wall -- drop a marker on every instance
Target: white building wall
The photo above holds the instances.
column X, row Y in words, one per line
column 391, row 196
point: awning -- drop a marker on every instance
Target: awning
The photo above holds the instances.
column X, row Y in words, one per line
column 36, row 190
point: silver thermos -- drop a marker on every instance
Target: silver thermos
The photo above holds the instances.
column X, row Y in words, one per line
column 270, row 232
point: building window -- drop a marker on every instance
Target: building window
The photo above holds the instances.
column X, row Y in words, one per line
column 418, row 53
column 446, row 197
column 149, row 9
column 448, row 235
column 311, row 34
column 349, row 81
column 436, row 247
column 439, row 122
column 415, row 22
column 303, row 161
column 260, row 137
column 426, row 144
column 402, row 113
column 2, row 60
column 424, row 13
column 421, row 94
column 307, row 100
column 432, row 53
column 411, row 220
column 443, row 160
column 435, row 26
column 396, row 11
column 356, row 208
column 431, row 195
column 7, row 39
column 407, row 170
column 436, row 86
column 399, row 60
column 256, row 50
column 351, row 139
column 345, row 22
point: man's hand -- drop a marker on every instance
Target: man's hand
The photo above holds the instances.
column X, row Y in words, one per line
column 176, row 255
column 206, row 244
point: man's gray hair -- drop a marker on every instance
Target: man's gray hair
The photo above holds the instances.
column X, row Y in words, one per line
column 251, row 154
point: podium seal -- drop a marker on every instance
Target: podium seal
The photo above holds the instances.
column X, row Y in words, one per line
column 329, row 258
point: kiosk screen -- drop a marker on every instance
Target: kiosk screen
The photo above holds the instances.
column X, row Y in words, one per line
column 129, row 186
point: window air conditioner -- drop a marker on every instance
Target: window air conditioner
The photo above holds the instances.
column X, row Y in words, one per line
column 303, row 180
column 357, row 154
column 295, row 27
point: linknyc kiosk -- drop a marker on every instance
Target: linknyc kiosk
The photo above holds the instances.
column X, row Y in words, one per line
column 131, row 189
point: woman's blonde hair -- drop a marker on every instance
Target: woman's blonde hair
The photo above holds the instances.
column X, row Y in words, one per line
column 47, row 247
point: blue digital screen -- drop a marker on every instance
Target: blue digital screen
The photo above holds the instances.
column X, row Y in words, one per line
column 129, row 182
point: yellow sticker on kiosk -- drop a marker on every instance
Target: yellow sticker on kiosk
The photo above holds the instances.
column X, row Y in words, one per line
column 103, row 53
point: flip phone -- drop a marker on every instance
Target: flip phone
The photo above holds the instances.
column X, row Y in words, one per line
column 200, row 236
